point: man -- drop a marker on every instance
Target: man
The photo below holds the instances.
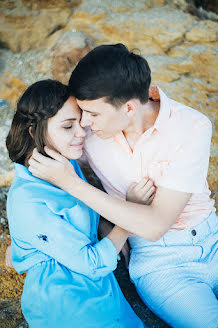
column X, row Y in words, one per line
column 173, row 261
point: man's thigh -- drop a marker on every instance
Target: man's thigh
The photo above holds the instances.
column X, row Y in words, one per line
column 180, row 300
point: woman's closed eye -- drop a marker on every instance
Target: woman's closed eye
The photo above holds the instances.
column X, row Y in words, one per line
column 68, row 127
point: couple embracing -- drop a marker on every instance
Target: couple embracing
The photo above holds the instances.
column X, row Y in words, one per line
column 151, row 154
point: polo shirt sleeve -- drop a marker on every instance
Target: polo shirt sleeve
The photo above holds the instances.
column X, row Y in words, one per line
column 187, row 170
column 40, row 229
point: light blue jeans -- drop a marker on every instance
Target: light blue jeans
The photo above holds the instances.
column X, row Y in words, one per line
column 177, row 276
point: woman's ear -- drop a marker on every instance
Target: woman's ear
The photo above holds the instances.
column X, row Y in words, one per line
column 30, row 131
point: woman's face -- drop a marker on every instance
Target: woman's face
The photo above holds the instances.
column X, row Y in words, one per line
column 64, row 133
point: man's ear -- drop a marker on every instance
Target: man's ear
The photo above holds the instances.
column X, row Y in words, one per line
column 30, row 131
column 131, row 107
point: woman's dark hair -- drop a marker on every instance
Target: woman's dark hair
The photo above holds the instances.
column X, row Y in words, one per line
column 111, row 71
column 39, row 102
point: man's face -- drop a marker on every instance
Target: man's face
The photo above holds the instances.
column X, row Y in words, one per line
column 104, row 119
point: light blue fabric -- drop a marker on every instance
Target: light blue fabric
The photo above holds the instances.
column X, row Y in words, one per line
column 177, row 276
column 69, row 280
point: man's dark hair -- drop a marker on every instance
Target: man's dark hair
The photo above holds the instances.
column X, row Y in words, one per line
column 39, row 102
column 113, row 72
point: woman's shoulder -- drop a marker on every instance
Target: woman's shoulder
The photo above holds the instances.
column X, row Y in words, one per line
column 23, row 190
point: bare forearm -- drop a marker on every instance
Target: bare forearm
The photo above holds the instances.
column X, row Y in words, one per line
column 118, row 236
column 135, row 218
column 104, row 227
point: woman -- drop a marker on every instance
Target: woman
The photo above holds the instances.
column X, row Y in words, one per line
column 69, row 280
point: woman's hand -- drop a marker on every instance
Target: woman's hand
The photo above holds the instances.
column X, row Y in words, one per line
column 56, row 170
column 142, row 192
column 8, row 257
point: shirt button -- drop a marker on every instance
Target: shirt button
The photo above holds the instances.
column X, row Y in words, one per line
column 94, row 235
column 194, row 233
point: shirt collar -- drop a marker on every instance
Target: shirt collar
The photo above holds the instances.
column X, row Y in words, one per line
column 158, row 95
column 164, row 112
column 23, row 172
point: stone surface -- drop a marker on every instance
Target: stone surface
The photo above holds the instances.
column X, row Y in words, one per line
column 6, row 167
column 154, row 30
column 12, row 88
column 51, row 4
column 22, row 29
column 67, row 51
column 204, row 31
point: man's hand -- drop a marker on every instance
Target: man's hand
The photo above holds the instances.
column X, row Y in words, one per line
column 142, row 192
column 55, row 170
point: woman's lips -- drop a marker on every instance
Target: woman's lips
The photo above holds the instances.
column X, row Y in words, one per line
column 78, row 145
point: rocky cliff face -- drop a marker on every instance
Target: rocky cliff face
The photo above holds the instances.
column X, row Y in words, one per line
column 45, row 39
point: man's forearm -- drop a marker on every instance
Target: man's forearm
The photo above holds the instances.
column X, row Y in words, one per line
column 135, row 218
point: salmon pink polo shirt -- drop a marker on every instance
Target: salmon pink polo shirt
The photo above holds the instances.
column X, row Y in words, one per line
column 174, row 153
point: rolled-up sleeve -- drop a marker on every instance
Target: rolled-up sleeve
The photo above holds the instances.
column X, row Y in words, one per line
column 49, row 233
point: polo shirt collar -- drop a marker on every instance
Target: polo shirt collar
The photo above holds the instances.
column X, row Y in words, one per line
column 161, row 119
column 164, row 112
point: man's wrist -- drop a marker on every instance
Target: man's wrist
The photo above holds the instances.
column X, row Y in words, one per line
column 71, row 185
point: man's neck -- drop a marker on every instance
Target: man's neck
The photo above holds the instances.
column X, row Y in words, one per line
column 143, row 120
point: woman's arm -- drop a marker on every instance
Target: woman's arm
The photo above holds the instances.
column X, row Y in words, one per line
column 43, row 230
column 147, row 221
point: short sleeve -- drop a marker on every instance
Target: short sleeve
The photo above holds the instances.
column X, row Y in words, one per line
column 41, row 229
column 187, row 170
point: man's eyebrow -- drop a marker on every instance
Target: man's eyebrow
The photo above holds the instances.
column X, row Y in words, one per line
column 88, row 111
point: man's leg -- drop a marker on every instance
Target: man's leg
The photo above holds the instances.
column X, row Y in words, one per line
column 182, row 304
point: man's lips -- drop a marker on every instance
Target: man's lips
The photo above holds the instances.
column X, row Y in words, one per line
column 95, row 131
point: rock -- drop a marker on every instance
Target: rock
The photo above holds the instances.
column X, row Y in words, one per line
column 68, row 50
column 153, row 31
column 6, row 167
column 22, row 30
column 12, row 88
column 51, row 4
column 203, row 31
column 208, row 5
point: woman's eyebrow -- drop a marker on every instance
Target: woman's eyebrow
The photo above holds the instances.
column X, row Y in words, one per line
column 69, row 119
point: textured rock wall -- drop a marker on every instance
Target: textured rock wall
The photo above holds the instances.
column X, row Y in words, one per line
column 45, row 39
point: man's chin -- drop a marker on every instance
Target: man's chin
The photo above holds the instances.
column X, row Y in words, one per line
column 102, row 135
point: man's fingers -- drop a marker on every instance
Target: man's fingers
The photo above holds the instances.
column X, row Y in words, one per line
column 141, row 184
column 52, row 153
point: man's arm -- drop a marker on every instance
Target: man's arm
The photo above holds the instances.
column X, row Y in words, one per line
column 149, row 222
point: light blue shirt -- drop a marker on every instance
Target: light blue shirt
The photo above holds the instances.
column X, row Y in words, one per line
column 69, row 280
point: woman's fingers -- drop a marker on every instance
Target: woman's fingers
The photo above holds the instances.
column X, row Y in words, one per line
column 148, row 193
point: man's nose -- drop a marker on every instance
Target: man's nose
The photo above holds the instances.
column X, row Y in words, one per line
column 80, row 131
column 85, row 119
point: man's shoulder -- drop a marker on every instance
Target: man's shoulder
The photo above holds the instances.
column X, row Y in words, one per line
column 185, row 118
